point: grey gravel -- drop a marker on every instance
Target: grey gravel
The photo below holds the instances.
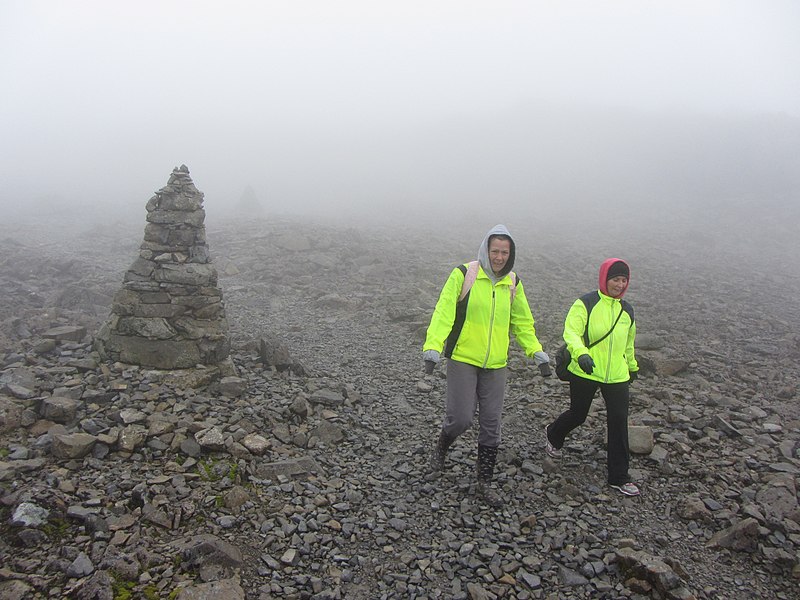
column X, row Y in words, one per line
column 306, row 477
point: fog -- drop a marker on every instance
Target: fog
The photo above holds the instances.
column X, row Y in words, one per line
column 507, row 110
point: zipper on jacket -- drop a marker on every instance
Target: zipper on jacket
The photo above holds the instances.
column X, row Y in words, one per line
column 611, row 343
column 491, row 328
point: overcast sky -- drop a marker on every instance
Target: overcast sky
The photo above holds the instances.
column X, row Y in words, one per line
column 102, row 99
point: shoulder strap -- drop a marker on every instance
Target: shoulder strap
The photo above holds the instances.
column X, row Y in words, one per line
column 627, row 308
column 621, row 310
column 470, row 272
column 513, row 287
column 590, row 303
column 589, row 300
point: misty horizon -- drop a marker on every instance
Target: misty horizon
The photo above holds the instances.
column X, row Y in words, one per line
column 416, row 111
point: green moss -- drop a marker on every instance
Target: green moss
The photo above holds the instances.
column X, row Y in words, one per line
column 123, row 590
column 56, row 529
column 4, row 452
column 151, row 592
column 206, row 470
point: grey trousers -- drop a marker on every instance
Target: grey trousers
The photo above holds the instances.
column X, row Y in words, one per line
column 471, row 389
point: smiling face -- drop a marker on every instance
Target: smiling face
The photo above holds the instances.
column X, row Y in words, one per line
column 616, row 285
column 499, row 251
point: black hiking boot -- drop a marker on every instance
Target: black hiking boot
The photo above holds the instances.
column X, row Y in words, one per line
column 487, row 457
column 439, row 451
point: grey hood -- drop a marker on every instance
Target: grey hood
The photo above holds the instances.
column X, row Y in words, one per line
column 483, row 254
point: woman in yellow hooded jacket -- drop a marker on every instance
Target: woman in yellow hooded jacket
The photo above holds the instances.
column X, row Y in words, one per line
column 477, row 310
column 600, row 330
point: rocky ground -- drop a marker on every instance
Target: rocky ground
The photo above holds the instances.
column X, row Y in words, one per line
column 310, row 481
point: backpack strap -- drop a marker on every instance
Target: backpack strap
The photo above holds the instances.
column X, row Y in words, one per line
column 590, row 300
column 513, row 287
column 470, row 272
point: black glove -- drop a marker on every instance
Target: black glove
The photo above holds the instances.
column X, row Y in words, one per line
column 586, row 363
column 429, row 365
column 545, row 370
column 634, row 375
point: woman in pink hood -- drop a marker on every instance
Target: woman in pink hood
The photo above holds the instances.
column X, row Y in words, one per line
column 599, row 332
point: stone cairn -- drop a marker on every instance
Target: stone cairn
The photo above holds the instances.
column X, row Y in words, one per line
column 169, row 313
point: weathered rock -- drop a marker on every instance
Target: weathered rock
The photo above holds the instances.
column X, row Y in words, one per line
column 327, row 397
column 10, row 414
column 329, row 433
column 211, row 557
column 289, row 468
column 28, row 514
column 131, row 437
column 232, row 387
column 66, row 333
column 256, row 444
column 652, row 569
column 80, row 567
column 640, row 439
column 72, row 445
column 742, row 536
column 210, row 439
column 224, row 589
column 59, row 410
column 275, row 354
column 15, row 590
column 778, row 500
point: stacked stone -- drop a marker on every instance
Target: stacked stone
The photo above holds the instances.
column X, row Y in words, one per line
column 169, row 313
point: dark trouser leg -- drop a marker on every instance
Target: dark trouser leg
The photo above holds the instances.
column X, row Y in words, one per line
column 491, row 390
column 581, row 392
column 461, row 405
column 616, row 397
column 462, row 398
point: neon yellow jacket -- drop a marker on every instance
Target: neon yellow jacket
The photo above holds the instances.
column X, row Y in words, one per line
column 614, row 357
column 490, row 317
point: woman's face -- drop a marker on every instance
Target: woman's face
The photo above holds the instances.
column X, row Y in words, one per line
column 616, row 285
column 499, row 251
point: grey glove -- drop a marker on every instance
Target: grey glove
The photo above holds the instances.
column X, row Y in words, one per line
column 431, row 358
column 586, row 363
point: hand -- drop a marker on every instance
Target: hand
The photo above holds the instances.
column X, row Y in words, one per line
column 634, row 375
column 540, row 358
column 431, row 358
column 545, row 370
column 586, row 363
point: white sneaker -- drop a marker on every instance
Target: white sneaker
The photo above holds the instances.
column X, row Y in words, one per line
column 551, row 450
column 629, row 489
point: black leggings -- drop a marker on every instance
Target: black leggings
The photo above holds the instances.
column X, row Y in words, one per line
column 581, row 394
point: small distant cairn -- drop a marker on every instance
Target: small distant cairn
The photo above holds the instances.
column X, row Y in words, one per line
column 169, row 313
column 249, row 204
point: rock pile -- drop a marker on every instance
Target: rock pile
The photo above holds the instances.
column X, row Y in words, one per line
column 169, row 313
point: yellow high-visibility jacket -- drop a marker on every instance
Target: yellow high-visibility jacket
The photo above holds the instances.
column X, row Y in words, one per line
column 489, row 317
column 614, row 358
